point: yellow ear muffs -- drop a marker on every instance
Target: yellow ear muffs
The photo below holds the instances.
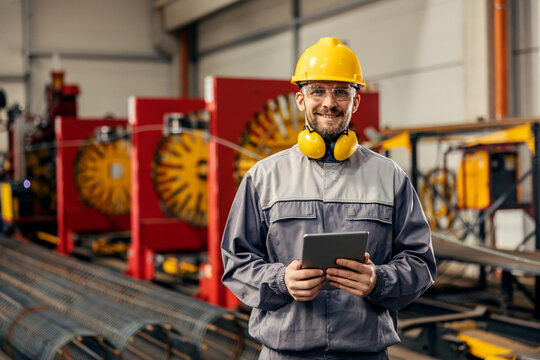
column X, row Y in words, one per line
column 313, row 146
column 345, row 145
column 311, row 143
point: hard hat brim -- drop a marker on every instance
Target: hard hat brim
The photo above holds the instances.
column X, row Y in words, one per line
column 295, row 80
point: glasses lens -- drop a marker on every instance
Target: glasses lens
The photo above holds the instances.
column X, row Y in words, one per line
column 318, row 92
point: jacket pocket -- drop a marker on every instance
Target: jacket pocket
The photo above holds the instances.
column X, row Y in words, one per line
column 291, row 210
column 289, row 221
column 376, row 219
column 375, row 212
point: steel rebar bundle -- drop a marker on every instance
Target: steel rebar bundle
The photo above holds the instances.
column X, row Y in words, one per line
column 135, row 336
column 29, row 330
column 213, row 332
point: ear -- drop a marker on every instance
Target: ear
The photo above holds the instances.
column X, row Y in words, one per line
column 356, row 102
column 299, row 97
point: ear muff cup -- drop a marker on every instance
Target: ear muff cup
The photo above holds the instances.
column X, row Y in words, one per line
column 345, row 145
column 313, row 146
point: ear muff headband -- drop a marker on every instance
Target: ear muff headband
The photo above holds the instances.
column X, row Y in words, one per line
column 313, row 146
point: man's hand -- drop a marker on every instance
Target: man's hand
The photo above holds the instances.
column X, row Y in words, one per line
column 303, row 284
column 358, row 279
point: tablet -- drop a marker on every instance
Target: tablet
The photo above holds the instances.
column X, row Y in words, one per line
column 320, row 251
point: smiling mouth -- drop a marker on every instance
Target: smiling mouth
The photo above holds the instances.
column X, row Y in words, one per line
column 329, row 116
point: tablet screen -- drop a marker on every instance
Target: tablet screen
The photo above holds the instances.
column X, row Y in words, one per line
column 321, row 251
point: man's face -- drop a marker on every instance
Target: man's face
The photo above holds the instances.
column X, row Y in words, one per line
column 328, row 106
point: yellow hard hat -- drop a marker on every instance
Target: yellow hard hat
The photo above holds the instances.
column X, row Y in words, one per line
column 328, row 60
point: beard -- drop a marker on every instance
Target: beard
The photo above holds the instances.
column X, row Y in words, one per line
column 328, row 132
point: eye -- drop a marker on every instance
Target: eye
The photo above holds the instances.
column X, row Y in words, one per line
column 341, row 92
column 317, row 91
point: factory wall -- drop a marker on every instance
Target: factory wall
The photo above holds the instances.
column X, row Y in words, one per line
column 414, row 52
column 11, row 51
column 106, row 47
column 526, row 57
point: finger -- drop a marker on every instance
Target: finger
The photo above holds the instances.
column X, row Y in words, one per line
column 309, row 273
column 344, row 273
column 362, row 280
column 308, row 284
column 359, row 283
column 369, row 262
column 352, row 264
column 304, row 295
column 366, row 258
column 300, row 275
column 296, row 265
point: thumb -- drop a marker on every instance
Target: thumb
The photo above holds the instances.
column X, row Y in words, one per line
column 296, row 265
column 366, row 258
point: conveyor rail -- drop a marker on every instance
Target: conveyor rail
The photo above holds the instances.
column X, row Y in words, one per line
column 449, row 248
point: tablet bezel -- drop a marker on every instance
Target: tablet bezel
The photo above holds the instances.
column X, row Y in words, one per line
column 320, row 251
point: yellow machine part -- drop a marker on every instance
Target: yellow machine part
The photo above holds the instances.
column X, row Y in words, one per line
column 274, row 128
column 517, row 134
column 400, row 140
column 105, row 247
column 490, row 346
column 180, row 171
column 486, row 350
column 50, row 238
column 437, row 212
column 102, row 176
column 174, row 266
column 10, row 204
column 473, row 180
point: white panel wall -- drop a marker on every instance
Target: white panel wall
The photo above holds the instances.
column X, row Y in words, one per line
column 268, row 58
column 98, row 25
column 99, row 28
column 11, row 52
column 527, row 57
column 476, row 60
column 11, row 58
column 251, row 17
column 11, row 41
column 105, row 85
column 411, row 50
column 309, row 7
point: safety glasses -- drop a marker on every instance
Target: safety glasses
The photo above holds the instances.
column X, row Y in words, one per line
column 319, row 92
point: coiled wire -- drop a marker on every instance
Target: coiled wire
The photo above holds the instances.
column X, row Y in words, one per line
column 135, row 336
column 29, row 330
column 204, row 331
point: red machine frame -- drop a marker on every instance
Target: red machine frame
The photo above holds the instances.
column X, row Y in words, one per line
column 72, row 214
column 232, row 104
column 152, row 230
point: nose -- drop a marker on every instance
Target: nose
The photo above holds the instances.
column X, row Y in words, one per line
column 329, row 99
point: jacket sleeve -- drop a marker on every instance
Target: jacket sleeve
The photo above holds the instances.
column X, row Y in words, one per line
column 247, row 271
column 412, row 269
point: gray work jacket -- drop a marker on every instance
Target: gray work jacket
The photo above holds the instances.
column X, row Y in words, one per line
column 288, row 195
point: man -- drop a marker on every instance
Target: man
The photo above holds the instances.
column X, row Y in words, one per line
column 326, row 183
